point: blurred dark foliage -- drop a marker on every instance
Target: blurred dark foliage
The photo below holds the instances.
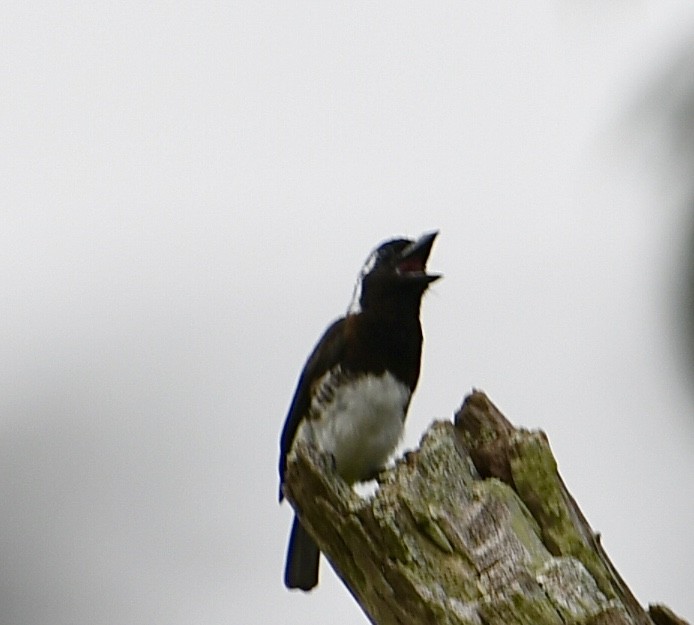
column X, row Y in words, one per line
column 667, row 113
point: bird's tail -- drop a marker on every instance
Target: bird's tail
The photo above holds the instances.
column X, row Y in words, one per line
column 301, row 569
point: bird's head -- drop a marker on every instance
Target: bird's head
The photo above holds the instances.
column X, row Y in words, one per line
column 396, row 269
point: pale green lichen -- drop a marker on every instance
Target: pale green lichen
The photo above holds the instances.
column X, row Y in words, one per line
column 538, row 484
column 520, row 609
column 571, row 589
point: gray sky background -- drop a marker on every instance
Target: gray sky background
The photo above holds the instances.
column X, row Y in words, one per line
column 188, row 192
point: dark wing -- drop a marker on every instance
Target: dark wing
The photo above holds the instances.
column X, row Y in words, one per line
column 326, row 354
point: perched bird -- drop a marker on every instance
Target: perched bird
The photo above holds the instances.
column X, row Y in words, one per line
column 354, row 391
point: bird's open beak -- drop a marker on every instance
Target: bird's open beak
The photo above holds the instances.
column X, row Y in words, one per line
column 412, row 263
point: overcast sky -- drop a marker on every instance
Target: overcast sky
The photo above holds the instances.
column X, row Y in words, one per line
column 188, row 193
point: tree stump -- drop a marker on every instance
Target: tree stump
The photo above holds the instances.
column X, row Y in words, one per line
column 476, row 527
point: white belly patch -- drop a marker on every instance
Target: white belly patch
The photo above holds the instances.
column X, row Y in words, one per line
column 359, row 421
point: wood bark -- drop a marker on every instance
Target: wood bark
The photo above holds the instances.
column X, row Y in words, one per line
column 476, row 527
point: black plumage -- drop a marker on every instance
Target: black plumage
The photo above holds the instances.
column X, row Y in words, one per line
column 355, row 388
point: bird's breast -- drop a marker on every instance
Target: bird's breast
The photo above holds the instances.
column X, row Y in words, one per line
column 359, row 419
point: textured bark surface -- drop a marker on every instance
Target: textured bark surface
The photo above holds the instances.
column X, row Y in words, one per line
column 475, row 527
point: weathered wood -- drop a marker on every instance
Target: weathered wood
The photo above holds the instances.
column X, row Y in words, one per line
column 476, row 527
column 662, row 615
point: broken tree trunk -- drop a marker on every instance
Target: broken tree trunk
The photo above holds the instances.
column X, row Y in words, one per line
column 476, row 527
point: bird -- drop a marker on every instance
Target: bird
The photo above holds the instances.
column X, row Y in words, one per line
column 354, row 391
